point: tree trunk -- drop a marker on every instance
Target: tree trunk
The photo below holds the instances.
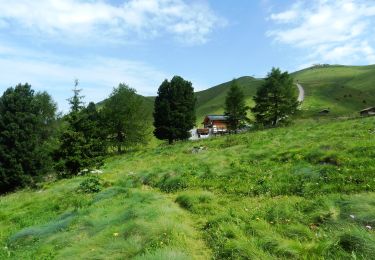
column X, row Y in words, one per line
column 170, row 141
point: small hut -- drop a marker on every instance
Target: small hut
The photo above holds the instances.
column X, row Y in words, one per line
column 218, row 123
column 324, row 111
column 370, row 111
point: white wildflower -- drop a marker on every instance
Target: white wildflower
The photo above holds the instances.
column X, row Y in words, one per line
column 352, row 216
column 96, row 171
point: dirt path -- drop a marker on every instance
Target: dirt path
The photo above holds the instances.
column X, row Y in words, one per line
column 301, row 95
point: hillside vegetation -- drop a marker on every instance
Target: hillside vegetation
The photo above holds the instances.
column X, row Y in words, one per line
column 212, row 101
column 304, row 191
column 345, row 90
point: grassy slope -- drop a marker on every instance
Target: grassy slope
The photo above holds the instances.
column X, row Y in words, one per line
column 211, row 101
column 280, row 193
column 343, row 89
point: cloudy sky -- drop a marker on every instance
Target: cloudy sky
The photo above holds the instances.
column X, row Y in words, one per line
column 49, row 43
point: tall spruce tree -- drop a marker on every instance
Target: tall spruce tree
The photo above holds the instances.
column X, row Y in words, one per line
column 126, row 118
column 76, row 103
column 276, row 99
column 82, row 143
column 24, row 121
column 235, row 107
column 174, row 110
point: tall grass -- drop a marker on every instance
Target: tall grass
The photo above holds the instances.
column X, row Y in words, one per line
column 299, row 192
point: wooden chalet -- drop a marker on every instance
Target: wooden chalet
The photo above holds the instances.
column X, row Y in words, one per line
column 370, row 111
column 217, row 123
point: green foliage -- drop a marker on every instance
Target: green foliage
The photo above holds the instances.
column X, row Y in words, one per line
column 345, row 90
column 174, row 111
column 172, row 183
column 83, row 142
column 26, row 120
column 235, row 107
column 92, row 184
column 276, row 100
column 76, row 103
column 212, row 101
column 126, row 120
column 259, row 195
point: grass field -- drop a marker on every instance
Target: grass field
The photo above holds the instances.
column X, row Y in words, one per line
column 212, row 100
column 345, row 90
column 301, row 192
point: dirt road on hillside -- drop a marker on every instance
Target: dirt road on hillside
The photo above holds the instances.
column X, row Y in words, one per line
column 301, row 95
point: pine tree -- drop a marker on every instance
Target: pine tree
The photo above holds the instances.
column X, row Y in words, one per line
column 82, row 143
column 235, row 107
column 24, row 121
column 276, row 99
column 126, row 118
column 76, row 103
column 174, row 110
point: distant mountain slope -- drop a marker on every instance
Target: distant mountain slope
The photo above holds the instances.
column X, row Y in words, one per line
column 211, row 101
column 343, row 89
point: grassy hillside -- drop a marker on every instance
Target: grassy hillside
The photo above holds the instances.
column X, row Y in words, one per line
column 305, row 191
column 345, row 90
column 211, row 101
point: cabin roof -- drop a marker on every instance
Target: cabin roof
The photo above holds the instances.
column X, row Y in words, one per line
column 367, row 109
column 217, row 117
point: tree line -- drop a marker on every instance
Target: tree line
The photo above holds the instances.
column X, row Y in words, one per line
column 36, row 141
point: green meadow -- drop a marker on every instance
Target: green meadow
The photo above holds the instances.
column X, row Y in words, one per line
column 306, row 191
column 344, row 90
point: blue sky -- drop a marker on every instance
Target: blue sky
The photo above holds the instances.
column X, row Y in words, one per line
column 49, row 43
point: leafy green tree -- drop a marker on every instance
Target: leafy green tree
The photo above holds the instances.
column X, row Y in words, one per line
column 235, row 107
column 174, row 110
column 126, row 118
column 276, row 99
column 25, row 118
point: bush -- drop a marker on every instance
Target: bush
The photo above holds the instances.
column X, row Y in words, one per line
column 92, row 184
column 358, row 243
column 172, row 183
column 185, row 201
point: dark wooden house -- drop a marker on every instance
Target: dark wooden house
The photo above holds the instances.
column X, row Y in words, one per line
column 370, row 111
column 217, row 123
column 324, row 111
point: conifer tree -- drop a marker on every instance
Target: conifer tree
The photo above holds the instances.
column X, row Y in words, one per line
column 82, row 143
column 76, row 103
column 276, row 99
column 174, row 110
column 235, row 107
column 24, row 121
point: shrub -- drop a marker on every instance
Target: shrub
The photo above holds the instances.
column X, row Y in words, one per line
column 91, row 184
column 171, row 183
column 358, row 243
column 185, row 201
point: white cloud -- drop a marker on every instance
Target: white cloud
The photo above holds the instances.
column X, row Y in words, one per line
column 330, row 31
column 97, row 19
column 56, row 74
